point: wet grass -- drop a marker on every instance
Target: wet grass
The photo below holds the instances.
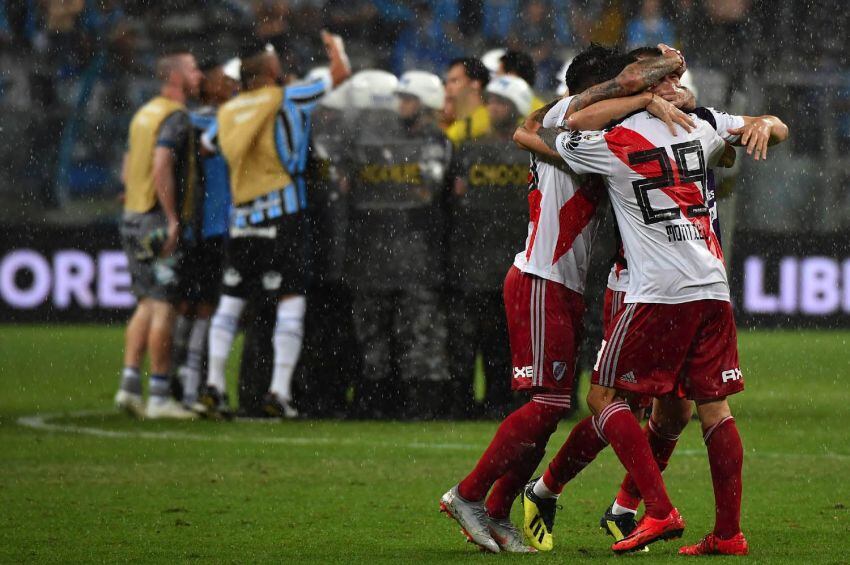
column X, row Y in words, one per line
column 103, row 488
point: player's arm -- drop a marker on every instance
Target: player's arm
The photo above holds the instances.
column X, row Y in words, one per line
column 526, row 135
column 339, row 67
column 636, row 77
column 758, row 133
column 163, row 179
column 173, row 134
column 600, row 115
column 681, row 97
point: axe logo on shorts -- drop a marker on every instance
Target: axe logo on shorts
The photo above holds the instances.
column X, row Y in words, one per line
column 732, row 375
column 523, row 372
column 559, row 369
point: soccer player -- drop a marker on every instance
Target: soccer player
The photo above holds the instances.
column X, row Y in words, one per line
column 263, row 134
column 670, row 414
column 158, row 173
column 466, row 80
column 202, row 264
column 678, row 319
column 544, row 306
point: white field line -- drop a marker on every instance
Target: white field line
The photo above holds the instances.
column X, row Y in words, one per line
column 42, row 422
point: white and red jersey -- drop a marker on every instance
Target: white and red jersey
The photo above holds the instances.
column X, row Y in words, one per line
column 562, row 218
column 658, row 188
column 618, row 277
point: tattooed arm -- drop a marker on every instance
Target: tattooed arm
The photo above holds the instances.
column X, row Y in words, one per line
column 636, row 77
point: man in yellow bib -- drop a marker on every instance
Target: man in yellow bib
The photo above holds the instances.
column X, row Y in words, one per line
column 158, row 175
column 264, row 135
column 466, row 80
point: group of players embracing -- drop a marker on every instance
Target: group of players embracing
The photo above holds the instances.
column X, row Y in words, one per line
column 627, row 133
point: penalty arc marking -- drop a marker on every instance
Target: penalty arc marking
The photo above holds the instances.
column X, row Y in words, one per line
column 45, row 423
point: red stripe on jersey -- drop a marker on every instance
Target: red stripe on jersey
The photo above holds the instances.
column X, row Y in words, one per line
column 534, row 198
column 576, row 213
column 622, row 141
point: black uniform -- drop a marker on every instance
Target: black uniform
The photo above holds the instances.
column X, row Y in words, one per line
column 393, row 263
column 488, row 223
column 330, row 358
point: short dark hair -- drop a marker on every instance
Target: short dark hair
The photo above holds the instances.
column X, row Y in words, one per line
column 645, row 52
column 521, row 64
column 474, row 69
column 586, row 68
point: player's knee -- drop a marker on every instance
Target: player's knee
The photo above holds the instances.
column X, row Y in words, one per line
column 713, row 411
column 671, row 415
column 598, row 398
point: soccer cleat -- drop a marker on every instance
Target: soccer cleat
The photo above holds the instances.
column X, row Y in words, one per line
column 618, row 526
column 213, row 404
column 538, row 518
column 472, row 518
column 508, row 536
column 712, row 545
column 649, row 530
column 277, row 407
column 130, row 402
column 166, row 408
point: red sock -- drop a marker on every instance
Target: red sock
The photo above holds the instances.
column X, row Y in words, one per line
column 726, row 457
column 662, row 446
column 580, row 449
column 520, row 434
column 623, row 432
column 509, row 485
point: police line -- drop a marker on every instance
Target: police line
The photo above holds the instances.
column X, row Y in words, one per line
column 80, row 275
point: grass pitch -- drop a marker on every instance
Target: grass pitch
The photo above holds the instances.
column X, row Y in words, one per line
column 102, row 488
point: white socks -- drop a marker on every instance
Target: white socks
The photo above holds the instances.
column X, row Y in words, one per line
column 288, row 334
column 541, row 490
column 191, row 371
column 223, row 328
column 618, row 510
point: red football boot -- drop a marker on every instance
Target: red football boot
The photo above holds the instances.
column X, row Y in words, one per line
column 650, row 530
column 713, row 545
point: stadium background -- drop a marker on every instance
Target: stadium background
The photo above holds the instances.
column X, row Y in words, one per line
column 73, row 72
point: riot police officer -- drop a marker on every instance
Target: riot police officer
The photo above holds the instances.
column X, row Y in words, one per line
column 488, row 222
column 398, row 170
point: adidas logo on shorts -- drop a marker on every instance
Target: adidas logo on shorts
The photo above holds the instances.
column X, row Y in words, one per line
column 629, row 378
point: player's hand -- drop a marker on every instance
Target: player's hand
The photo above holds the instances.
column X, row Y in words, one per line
column 755, row 136
column 678, row 96
column 169, row 246
column 667, row 51
column 669, row 114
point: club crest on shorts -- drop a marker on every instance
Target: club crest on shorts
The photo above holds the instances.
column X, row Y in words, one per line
column 559, row 369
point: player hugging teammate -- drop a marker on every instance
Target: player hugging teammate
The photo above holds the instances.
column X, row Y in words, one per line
column 671, row 337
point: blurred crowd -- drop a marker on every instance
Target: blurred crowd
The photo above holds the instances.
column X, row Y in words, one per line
column 74, row 70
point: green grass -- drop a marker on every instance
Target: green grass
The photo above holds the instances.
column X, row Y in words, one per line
column 324, row 492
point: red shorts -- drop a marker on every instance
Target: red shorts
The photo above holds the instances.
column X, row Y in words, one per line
column 656, row 349
column 544, row 326
column 614, row 302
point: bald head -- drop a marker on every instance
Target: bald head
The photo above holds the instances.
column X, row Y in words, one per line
column 262, row 69
column 180, row 71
